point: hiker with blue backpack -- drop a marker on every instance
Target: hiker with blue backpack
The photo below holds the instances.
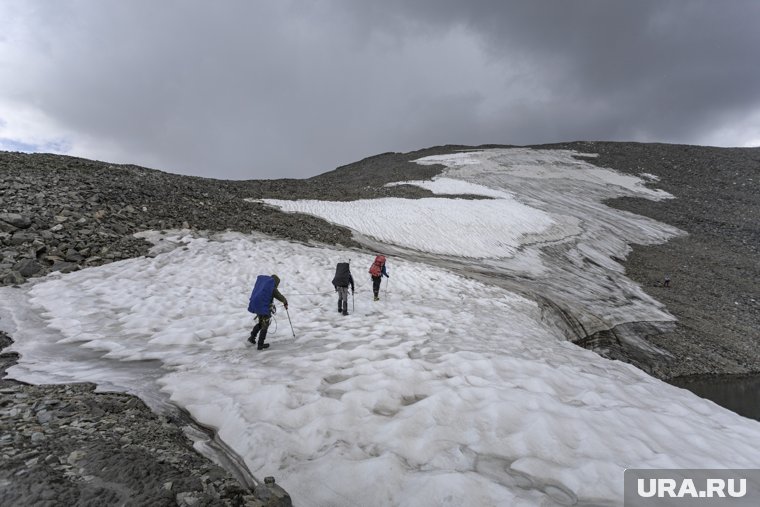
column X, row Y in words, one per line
column 261, row 303
column 377, row 271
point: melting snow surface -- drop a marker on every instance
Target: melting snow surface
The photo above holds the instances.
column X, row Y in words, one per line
column 484, row 228
column 447, row 391
column 494, row 227
column 542, row 164
column 450, row 186
column 544, row 220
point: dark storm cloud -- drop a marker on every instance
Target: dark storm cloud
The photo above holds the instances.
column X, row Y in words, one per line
column 662, row 70
column 290, row 89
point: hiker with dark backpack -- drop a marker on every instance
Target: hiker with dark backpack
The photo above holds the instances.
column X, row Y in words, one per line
column 377, row 271
column 341, row 281
column 261, row 304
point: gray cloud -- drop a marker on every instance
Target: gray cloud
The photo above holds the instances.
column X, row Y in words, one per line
column 290, row 89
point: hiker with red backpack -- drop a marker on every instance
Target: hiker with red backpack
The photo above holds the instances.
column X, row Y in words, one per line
column 261, row 303
column 341, row 281
column 377, row 271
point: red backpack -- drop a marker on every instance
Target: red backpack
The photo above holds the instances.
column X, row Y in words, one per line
column 377, row 267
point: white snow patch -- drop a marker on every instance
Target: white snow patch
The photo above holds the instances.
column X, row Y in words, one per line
column 547, row 223
column 493, row 227
column 447, row 391
column 450, row 186
column 541, row 164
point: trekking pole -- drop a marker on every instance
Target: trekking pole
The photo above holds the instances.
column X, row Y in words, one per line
column 291, row 322
column 353, row 305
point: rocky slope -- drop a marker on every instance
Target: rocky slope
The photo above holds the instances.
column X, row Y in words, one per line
column 715, row 270
column 66, row 445
column 62, row 213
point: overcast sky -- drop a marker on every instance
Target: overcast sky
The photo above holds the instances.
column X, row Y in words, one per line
column 268, row 89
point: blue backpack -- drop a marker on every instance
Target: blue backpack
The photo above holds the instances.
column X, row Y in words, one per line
column 261, row 295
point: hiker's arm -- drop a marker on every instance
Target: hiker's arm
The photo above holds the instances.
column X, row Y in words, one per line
column 279, row 297
column 384, row 272
column 351, row 279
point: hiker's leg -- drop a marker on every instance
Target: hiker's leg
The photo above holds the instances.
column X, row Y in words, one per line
column 344, row 290
column 343, row 301
column 254, row 332
column 264, row 321
column 376, row 286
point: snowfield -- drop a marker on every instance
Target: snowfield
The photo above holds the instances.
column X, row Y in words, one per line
column 543, row 221
column 447, row 391
column 494, row 227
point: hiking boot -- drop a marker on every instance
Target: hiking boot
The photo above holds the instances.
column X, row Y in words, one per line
column 262, row 347
column 377, row 298
column 345, row 313
column 252, row 340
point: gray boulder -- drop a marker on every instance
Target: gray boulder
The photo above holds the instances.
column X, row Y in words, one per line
column 21, row 237
column 27, row 267
column 64, row 267
column 12, row 278
column 16, row 220
column 5, row 227
column 73, row 256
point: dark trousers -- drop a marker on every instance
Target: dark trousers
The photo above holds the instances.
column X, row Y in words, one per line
column 343, row 300
column 376, row 285
column 261, row 328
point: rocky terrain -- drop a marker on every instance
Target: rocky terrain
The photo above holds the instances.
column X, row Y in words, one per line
column 66, row 445
column 62, row 213
column 715, row 270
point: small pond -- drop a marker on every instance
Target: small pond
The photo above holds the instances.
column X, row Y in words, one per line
column 740, row 393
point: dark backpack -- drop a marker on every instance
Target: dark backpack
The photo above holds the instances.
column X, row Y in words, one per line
column 261, row 295
column 376, row 269
column 342, row 275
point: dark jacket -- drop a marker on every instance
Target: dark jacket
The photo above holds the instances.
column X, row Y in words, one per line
column 350, row 282
column 276, row 293
column 343, row 276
